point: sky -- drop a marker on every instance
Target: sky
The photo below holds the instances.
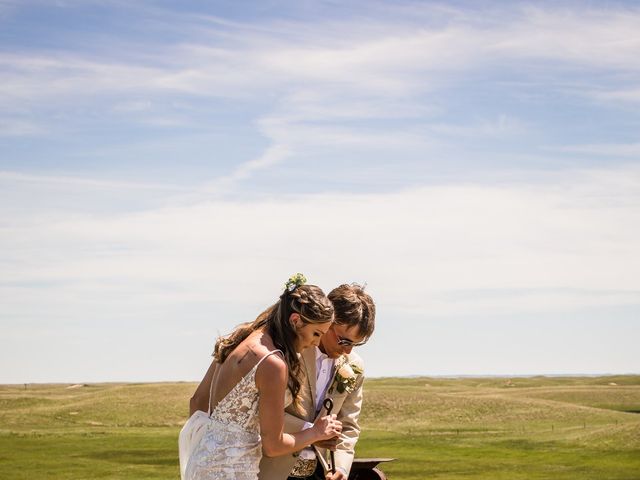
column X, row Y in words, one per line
column 166, row 166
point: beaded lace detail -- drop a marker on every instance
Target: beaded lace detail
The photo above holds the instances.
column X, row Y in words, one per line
column 240, row 406
column 230, row 448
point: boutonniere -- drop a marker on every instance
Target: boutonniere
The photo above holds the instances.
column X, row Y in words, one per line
column 346, row 373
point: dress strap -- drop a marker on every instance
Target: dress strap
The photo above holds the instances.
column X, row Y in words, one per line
column 211, row 386
column 255, row 367
column 267, row 355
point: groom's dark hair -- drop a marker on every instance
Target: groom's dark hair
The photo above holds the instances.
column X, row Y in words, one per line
column 353, row 306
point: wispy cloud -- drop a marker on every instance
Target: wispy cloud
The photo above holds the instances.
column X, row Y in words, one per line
column 328, row 81
column 468, row 160
column 88, row 183
column 604, row 149
column 273, row 155
column 618, row 95
column 12, row 127
column 504, row 125
column 400, row 59
column 572, row 243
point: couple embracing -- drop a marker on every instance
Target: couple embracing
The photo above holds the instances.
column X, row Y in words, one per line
column 261, row 410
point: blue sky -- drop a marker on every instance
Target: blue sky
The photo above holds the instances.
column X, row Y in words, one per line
column 165, row 166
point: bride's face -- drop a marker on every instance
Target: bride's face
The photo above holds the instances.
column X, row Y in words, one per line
column 308, row 334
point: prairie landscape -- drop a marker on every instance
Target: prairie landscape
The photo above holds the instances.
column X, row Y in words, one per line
column 462, row 428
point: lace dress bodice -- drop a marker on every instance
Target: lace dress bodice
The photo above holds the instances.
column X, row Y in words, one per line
column 230, row 448
column 240, row 407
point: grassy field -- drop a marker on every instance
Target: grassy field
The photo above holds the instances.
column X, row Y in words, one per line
column 523, row 428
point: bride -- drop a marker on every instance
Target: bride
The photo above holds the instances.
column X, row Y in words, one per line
column 254, row 375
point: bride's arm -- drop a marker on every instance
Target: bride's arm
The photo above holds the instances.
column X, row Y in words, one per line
column 200, row 399
column 271, row 380
column 293, row 423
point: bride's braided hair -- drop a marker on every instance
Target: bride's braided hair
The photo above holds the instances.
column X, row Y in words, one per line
column 307, row 300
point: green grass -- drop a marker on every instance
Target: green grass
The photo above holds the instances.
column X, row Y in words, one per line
column 112, row 455
column 472, row 428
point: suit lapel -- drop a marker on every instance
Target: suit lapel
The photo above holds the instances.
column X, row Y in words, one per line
column 336, row 365
column 309, row 363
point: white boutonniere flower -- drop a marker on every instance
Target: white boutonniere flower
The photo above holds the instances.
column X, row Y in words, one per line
column 346, row 374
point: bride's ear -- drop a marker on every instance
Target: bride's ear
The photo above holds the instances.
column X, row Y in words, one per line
column 295, row 320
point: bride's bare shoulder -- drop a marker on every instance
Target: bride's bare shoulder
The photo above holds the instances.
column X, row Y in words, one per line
column 272, row 372
column 272, row 362
column 253, row 348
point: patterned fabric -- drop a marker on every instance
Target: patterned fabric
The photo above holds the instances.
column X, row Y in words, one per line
column 230, row 448
column 240, row 407
column 304, row 467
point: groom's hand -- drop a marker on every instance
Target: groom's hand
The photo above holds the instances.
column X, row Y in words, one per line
column 339, row 475
column 329, row 444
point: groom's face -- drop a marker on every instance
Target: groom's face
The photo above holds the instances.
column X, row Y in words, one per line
column 330, row 341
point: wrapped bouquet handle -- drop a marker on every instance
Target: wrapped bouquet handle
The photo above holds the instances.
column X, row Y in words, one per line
column 328, row 404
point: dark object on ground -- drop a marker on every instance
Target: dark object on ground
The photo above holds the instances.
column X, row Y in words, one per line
column 365, row 469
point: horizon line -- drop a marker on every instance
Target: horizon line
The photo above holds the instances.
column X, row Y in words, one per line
column 445, row 376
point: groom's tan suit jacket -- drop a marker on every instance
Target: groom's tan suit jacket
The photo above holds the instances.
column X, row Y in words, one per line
column 346, row 406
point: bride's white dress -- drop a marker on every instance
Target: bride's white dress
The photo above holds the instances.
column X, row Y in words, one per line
column 225, row 445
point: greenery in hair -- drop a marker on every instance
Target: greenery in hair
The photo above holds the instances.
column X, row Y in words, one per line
column 295, row 281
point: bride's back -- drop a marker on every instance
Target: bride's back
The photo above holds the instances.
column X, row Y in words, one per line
column 238, row 364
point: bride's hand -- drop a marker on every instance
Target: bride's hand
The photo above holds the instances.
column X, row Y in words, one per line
column 327, row 427
column 330, row 444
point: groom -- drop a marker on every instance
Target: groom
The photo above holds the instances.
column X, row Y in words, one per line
column 333, row 371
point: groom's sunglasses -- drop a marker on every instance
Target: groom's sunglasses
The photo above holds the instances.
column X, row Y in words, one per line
column 345, row 342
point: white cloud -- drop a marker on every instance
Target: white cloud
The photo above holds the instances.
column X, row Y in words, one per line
column 12, row 127
column 80, row 182
column 273, row 155
column 503, row 125
column 433, row 257
column 602, row 38
column 619, row 95
column 573, row 244
column 392, row 58
column 604, row 149
column 379, row 88
column 331, row 104
column 306, row 135
column 133, row 106
column 47, row 78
